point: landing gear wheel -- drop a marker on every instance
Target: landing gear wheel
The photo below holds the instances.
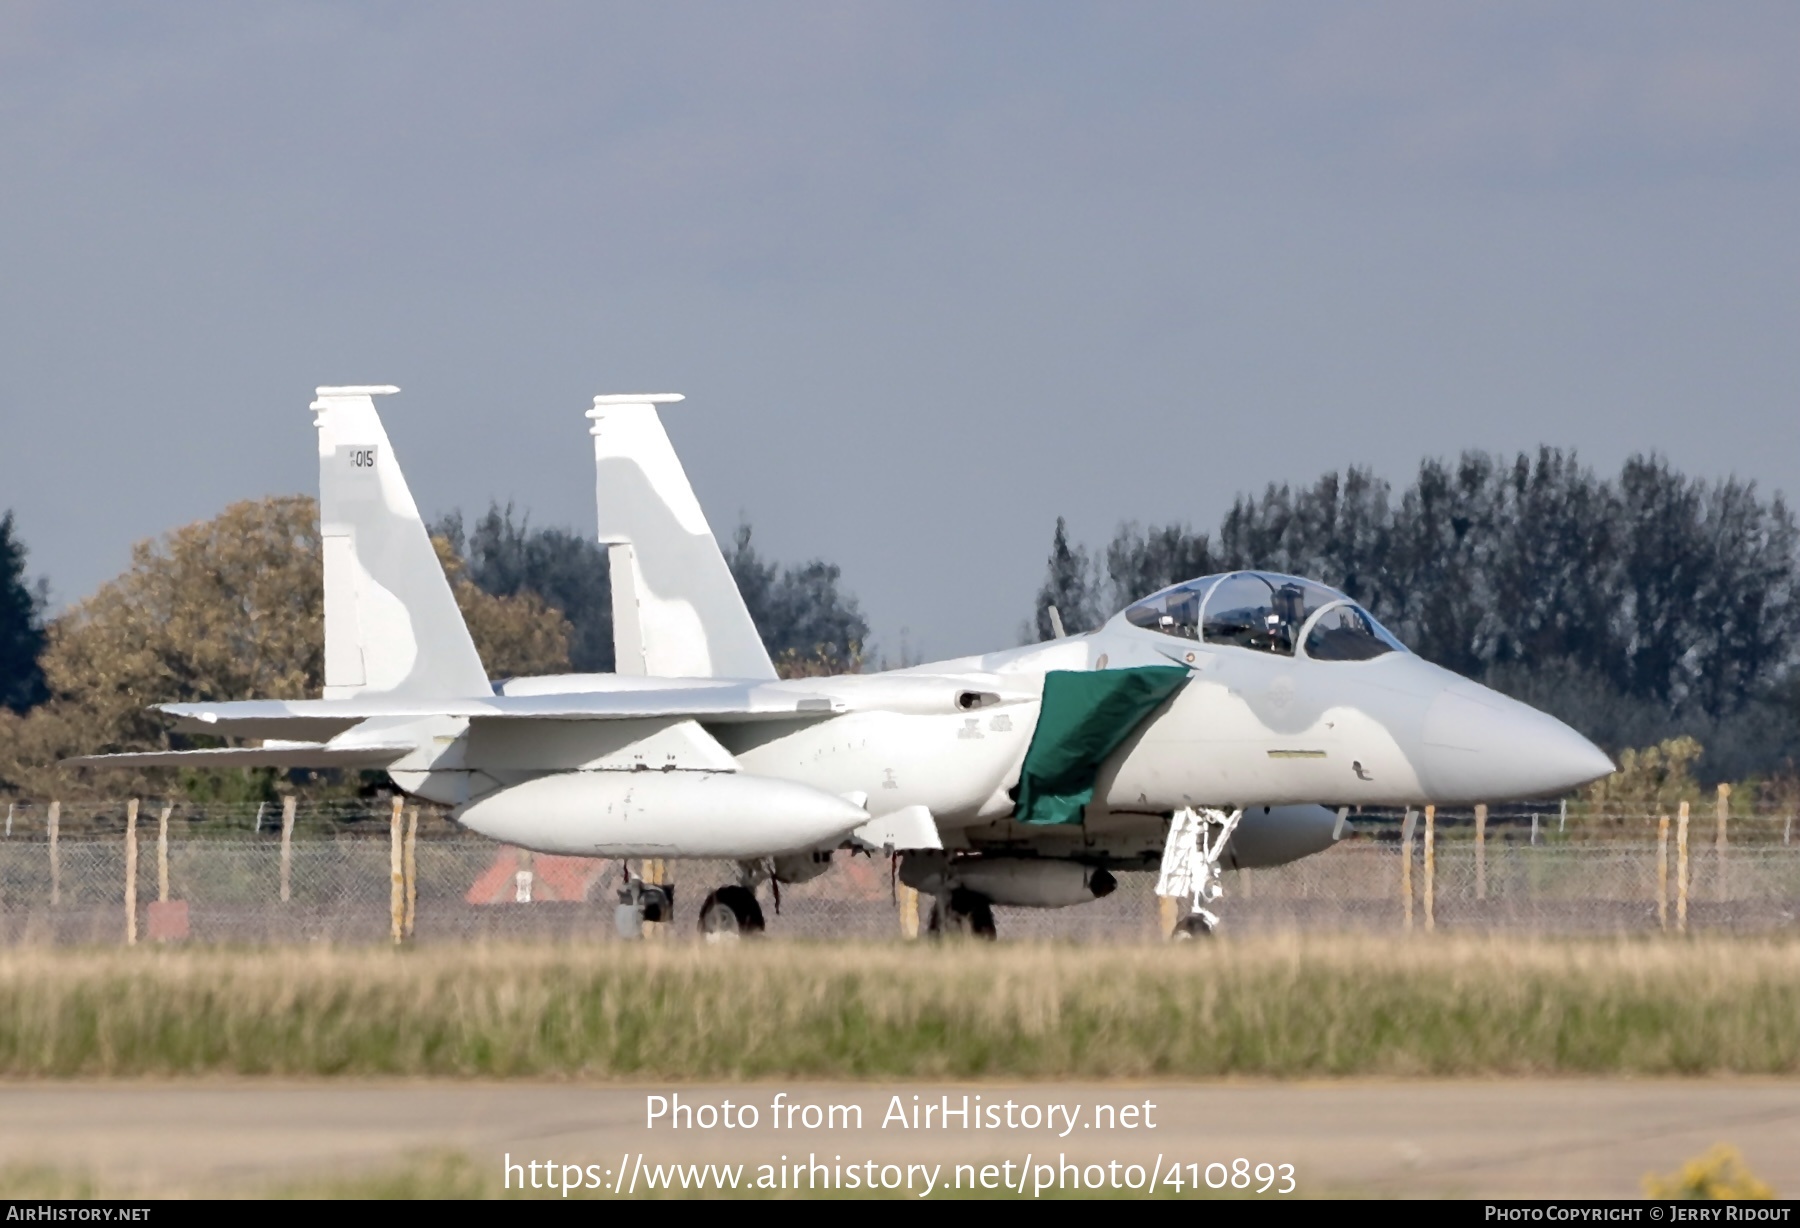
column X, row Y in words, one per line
column 640, row 902
column 1195, row 925
column 969, row 914
column 730, row 913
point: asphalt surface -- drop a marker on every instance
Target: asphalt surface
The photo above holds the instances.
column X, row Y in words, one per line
column 1514, row 1138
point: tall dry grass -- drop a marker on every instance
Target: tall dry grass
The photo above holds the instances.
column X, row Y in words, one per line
column 1286, row 1007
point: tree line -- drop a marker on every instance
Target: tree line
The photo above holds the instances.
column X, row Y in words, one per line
column 807, row 622
column 22, row 604
column 1637, row 607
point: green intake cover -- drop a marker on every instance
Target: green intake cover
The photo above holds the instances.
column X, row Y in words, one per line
column 1085, row 717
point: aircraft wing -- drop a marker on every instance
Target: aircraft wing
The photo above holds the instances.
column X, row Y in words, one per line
column 724, row 704
column 289, row 754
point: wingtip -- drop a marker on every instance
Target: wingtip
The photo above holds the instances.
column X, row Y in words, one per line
column 612, row 400
column 355, row 390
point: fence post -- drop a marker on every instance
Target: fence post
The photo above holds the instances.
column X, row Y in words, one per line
column 287, row 846
column 1430, row 869
column 1724, row 812
column 54, row 824
column 909, row 913
column 131, row 811
column 1481, row 851
column 1662, row 872
column 1406, row 887
column 162, row 854
column 411, row 867
column 396, row 876
column 1681, row 868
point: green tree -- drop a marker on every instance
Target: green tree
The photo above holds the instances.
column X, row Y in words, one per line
column 1650, row 779
column 519, row 635
column 1143, row 561
column 809, row 626
column 229, row 608
column 1638, row 608
column 506, row 556
column 21, row 625
column 1070, row 582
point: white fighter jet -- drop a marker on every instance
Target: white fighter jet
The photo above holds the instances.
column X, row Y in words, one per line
column 1212, row 723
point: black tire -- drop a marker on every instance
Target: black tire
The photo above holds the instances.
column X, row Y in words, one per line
column 730, row 912
column 969, row 914
column 1191, row 927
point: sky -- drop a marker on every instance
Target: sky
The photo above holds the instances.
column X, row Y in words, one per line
column 930, row 275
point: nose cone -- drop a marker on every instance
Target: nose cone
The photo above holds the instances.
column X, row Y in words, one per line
column 1481, row 746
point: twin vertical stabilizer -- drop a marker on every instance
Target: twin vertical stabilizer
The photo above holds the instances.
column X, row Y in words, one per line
column 391, row 623
column 677, row 612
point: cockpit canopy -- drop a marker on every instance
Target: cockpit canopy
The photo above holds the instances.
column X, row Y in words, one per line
column 1267, row 613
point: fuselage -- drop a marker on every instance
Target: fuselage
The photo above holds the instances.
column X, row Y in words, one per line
column 1247, row 729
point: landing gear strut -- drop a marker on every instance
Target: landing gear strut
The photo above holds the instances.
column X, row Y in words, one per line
column 1190, row 866
column 962, row 912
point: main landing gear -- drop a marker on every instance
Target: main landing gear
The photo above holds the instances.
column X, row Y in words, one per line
column 730, row 913
column 639, row 902
column 726, row 915
column 962, row 912
column 1190, row 866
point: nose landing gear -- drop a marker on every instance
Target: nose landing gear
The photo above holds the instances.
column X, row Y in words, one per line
column 1190, row 866
column 1198, row 924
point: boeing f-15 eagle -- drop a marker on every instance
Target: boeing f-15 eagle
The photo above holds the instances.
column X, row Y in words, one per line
column 1212, row 723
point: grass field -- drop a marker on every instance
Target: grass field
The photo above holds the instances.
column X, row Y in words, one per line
column 1286, row 1007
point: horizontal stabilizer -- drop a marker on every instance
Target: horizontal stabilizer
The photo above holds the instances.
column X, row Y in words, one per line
column 285, row 728
column 727, row 703
column 293, row 755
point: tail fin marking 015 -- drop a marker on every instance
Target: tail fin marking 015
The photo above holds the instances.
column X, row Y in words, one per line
column 391, row 622
column 677, row 611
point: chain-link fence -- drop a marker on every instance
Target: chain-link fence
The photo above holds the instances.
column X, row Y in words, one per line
column 335, row 873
